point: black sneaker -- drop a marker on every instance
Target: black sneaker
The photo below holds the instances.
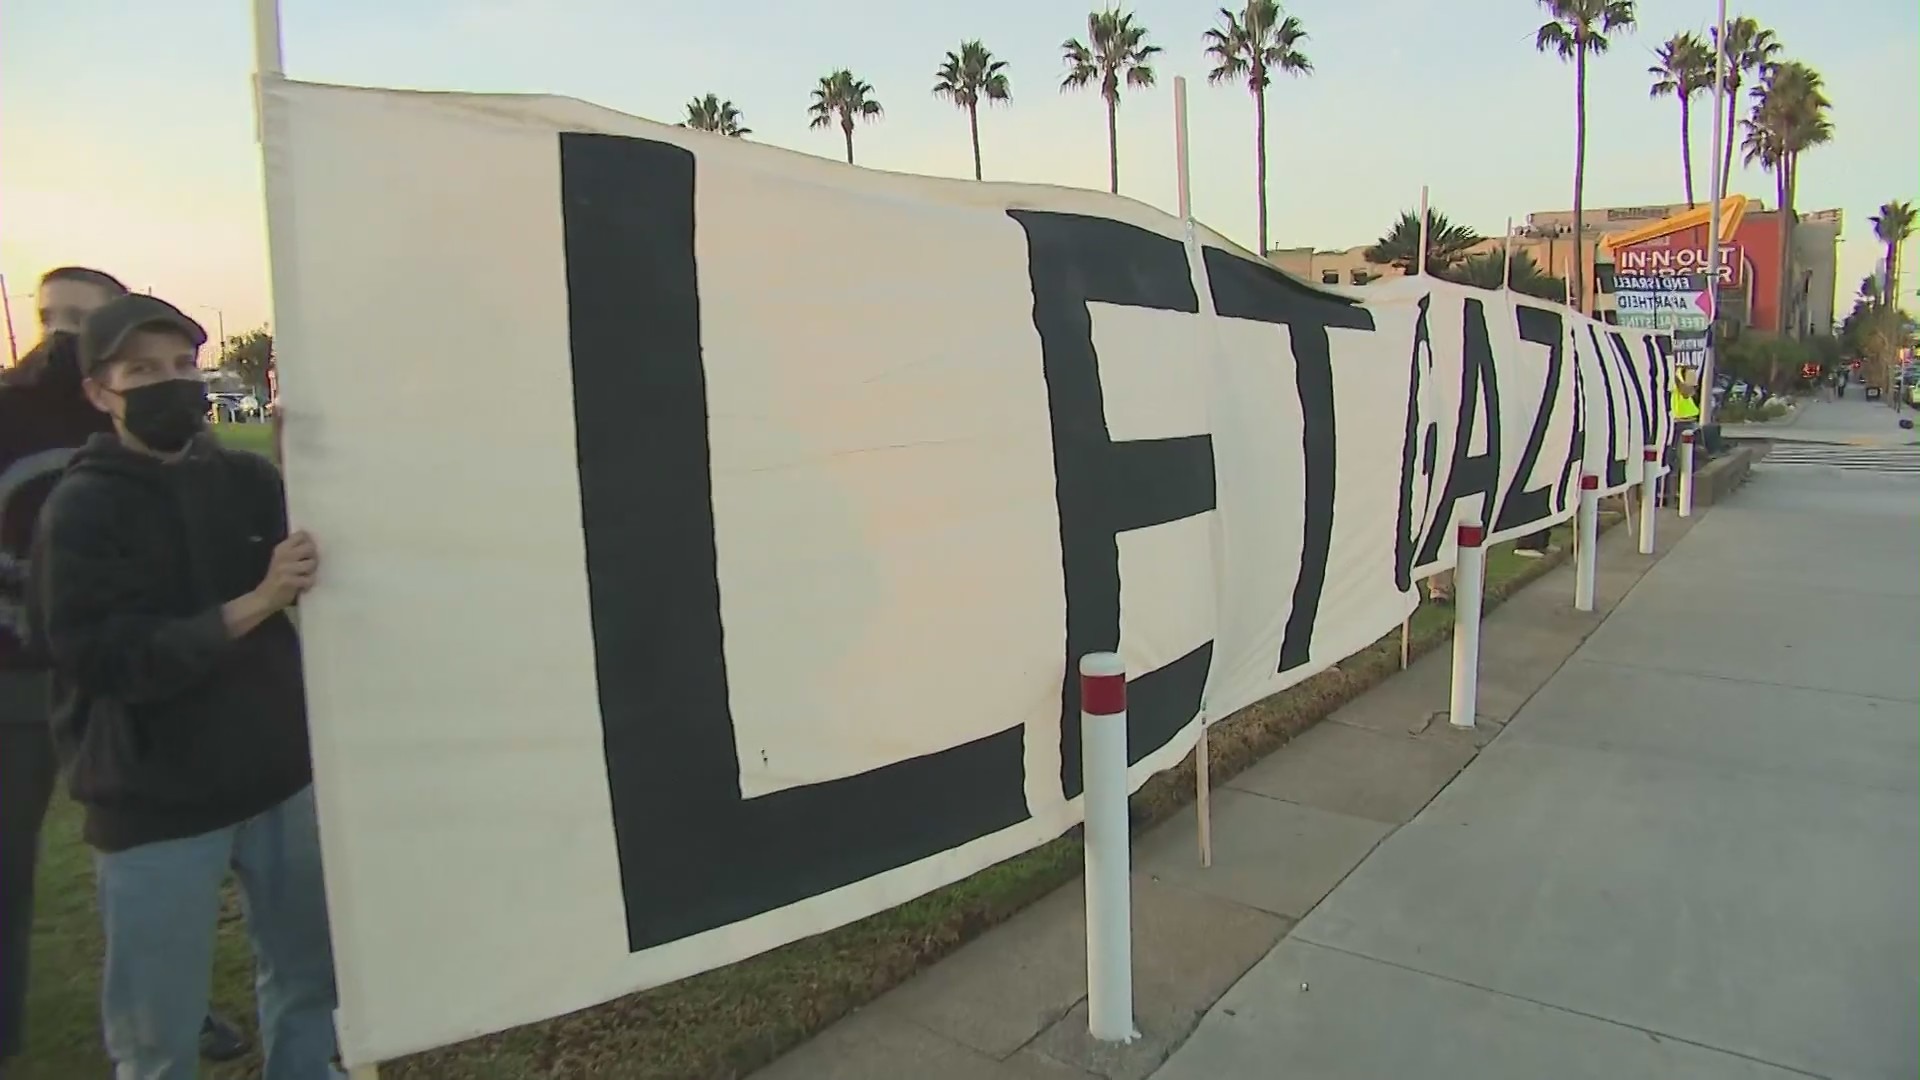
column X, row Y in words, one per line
column 221, row 1040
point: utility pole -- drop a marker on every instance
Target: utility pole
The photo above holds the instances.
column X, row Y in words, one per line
column 13, row 345
column 1713, row 215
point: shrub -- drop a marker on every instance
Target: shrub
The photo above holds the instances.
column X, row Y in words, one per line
column 1740, row 412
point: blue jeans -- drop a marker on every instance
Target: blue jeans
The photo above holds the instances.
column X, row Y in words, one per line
column 160, row 904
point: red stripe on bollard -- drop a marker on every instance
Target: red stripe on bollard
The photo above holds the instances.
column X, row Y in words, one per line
column 1103, row 695
column 1472, row 536
column 1589, row 482
column 1651, row 454
column 1686, row 436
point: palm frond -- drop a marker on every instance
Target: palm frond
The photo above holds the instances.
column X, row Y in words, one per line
column 1115, row 52
column 1894, row 223
column 971, row 75
column 1254, row 43
column 841, row 98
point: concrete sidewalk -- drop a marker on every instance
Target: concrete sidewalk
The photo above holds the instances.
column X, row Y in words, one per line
column 1286, row 832
column 1693, row 853
column 1848, row 421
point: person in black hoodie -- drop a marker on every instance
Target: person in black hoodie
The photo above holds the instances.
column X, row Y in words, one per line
column 161, row 576
column 44, row 417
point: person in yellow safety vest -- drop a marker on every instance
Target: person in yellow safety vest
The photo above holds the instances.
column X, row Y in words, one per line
column 1683, row 404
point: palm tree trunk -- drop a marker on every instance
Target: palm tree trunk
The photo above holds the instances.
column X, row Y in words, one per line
column 1891, row 288
column 1113, row 146
column 1577, row 270
column 1260, row 161
column 846, row 129
column 973, row 125
column 1686, row 147
column 1780, row 173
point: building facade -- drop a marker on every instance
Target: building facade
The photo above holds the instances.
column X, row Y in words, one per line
column 1749, row 292
column 1657, row 239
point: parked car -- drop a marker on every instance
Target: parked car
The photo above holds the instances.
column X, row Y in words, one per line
column 232, row 408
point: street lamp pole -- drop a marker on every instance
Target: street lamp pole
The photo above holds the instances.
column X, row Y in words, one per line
column 1713, row 215
column 13, row 345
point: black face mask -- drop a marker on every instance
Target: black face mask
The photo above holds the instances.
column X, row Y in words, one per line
column 62, row 360
column 166, row 415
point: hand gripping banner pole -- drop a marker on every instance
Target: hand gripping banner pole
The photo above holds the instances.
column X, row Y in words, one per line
column 1103, row 762
column 1649, row 498
column 1586, row 556
column 1202, row 749
column 1686, row 474
column 1470, row 568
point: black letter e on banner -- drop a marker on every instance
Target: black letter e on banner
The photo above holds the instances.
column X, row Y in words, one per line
column 1104, row 488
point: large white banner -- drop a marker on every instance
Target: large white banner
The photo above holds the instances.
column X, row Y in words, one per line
column 712, row 530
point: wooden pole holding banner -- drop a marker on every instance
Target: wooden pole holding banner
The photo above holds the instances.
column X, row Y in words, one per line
column 1506, row 260
column 267, row 60
column 1202, row 752
column 1419, row 268
column 1420, row 257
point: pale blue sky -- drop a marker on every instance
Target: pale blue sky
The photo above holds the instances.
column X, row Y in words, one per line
column 126, row 127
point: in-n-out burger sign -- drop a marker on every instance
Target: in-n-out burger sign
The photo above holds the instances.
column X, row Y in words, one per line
column 1651, row 259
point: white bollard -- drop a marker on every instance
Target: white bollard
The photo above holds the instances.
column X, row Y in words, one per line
column 1686, row 474
column 1103, row 770
column 1586, row 561
column 1469, row 574
column 1649, row 498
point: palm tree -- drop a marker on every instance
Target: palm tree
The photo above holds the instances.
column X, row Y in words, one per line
column 969, row 77
column 1254, row 44
column 1789, row 116
column 1869, row 292
column 1488, row 270
column 1577, row 29
column 841, row 98
column 711, row 114
column 1751, row 48
column 1892, row 225
column 1447, row 243
column 1685, row 69
column 1115, row 50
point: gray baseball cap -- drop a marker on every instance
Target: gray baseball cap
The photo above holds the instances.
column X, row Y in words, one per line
column 108, row 327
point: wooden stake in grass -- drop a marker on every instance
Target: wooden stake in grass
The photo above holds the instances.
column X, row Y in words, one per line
column 1406, row 641
column 1203, row 792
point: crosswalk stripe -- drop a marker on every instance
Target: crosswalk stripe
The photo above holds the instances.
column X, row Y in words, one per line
column 1896, row 460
